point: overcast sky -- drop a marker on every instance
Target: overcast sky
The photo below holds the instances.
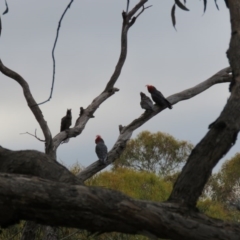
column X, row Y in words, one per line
column 86, row 54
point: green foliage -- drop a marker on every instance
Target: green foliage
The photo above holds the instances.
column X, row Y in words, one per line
column 224, row 188
column 14, row 232
column 225, row 185
column 159, row 153
column 218, row 210
column 140, row 185
column 214, row 209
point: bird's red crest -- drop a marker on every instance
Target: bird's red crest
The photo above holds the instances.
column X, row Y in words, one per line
column 150, row 87
column 98, row 138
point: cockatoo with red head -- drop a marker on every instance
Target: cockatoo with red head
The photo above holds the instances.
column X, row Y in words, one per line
column 101, row 149
column 158, row 98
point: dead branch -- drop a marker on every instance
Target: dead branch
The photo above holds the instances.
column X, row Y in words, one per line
column 54, row 46
column 143, row 8
column 35, row 135
column 109, row 89
column 31, row 104
column 102, row 210
column 222, row 76
column 128, row 2
column 35, row 163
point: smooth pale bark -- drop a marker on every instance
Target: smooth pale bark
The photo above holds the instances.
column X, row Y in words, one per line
column 126, row 132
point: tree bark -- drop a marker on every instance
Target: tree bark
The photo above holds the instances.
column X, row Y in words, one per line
column 126, row 132
column 34, row 163
column 222, row 134
column 102, row 210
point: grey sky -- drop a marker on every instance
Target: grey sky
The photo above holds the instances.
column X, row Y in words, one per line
column 86, row 54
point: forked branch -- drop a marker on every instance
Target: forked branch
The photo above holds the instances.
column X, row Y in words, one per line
column 109, row 90
column 34, row 135
column 31, row 104
column 222, row 76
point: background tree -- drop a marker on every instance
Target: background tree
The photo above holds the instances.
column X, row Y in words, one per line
column 159, row 153
column 34, row 187
column 224, row 186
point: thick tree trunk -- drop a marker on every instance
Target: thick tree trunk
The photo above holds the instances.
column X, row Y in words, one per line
column 102, row 210
column 222, row 134
column 217, row 142
column 95, row 209
column 35, row 163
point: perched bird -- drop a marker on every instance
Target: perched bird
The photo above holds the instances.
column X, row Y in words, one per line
column 80, row 114
column 146, row 102
column 158, row 98
column 101, row 149
column 66, row 122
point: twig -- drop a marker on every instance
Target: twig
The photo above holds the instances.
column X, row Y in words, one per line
column 31, row 103
column 6, row 11
column 143, row 8
column 53, row 57
column 127, row 6
column 109, row 89
column 34, row 135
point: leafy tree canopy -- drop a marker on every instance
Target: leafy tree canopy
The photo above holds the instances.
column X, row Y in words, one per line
column 224, row 186
column 159, row 153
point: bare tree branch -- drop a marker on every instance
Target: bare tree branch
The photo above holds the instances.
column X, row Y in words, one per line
column 223, row 76
column 97, row 210
column 31, row 104
column 136, row 8
column 7, row 9
column 34, row 163
column 143, row 8
column 35, row 135
column 125, row 27
column 126, row 132
column 109, row 90
column 128, row 1
column 54, row 45
column 83, row 119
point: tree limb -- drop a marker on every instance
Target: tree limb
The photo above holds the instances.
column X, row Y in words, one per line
column 35, row 135
column 222, row 134
column 126, row 132
column 109, row 89
column 102, row 210
column 31, row 104
column 54, row 46
column 34, row 163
